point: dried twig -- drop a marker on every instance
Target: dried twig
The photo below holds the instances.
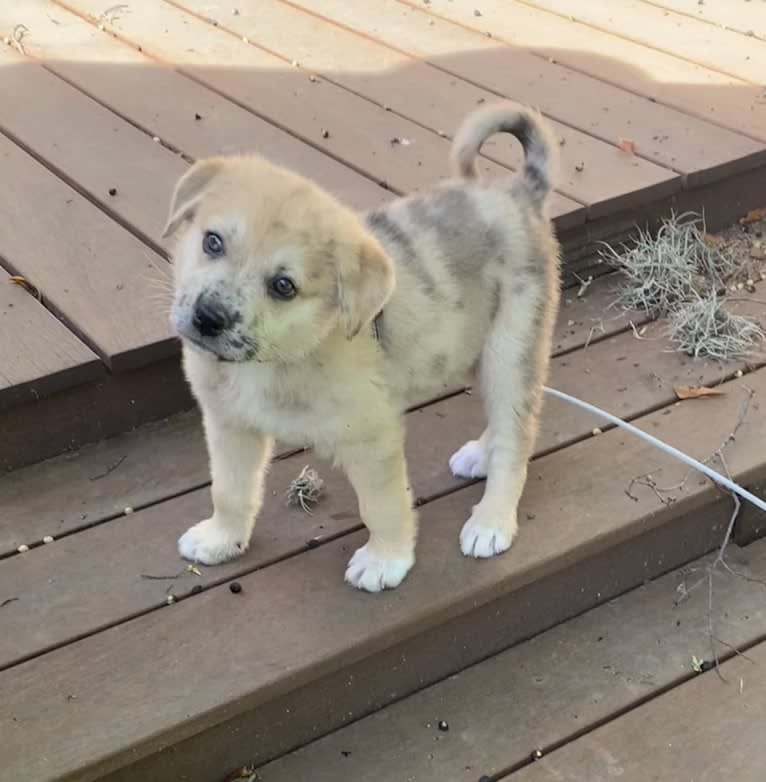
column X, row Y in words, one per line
column 110, row 469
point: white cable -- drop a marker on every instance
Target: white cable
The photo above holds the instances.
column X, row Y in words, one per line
column 669, row 449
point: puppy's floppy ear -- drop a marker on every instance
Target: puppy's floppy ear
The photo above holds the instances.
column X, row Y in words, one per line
column 188, row 192
column 366, row 280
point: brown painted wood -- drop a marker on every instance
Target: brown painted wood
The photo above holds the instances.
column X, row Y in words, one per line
column 715, row 97
column 90, row 412
column 682, row 36
column 705, row 730
column 372, row 683
column 573, row 676
column 430, row 97
column 746, row 17
column 61, row 247
column 98, row 155
column 195, row 637
column 699, row 150
column 38, row 355
column 260, row 82
column 165, row 104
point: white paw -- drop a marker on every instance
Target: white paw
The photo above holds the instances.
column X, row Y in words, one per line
column 367, row 571
column 479, row 541
column 210, row 543
column 470, row 461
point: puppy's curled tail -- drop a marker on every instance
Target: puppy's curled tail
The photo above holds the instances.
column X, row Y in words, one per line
column 529, row 127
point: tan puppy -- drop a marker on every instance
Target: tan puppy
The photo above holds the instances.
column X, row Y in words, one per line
column 304, row 322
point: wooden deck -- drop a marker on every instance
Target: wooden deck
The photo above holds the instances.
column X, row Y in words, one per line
column 101, row 678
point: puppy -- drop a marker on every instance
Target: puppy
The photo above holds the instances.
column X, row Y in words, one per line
column 303, row 321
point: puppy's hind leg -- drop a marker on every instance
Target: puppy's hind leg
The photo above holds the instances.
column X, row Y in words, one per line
column 378, row 472
column 513, row 368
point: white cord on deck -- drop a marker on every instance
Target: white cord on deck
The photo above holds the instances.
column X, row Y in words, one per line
column 669, row 449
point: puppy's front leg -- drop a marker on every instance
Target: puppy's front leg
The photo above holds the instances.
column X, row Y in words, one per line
column 378, row 472
column 238, row 461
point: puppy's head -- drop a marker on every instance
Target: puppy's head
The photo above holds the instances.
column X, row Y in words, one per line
column 269, row 265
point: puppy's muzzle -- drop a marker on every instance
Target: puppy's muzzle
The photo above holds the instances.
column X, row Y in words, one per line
column 210, row 319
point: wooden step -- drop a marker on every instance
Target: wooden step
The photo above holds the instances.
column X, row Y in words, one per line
column 220, row 680
column 557, row 689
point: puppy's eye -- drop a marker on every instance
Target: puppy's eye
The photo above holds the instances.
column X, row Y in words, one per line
column 282, row 287
column 212, row 244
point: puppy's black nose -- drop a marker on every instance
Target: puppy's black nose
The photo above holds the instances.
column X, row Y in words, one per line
column 209, row 317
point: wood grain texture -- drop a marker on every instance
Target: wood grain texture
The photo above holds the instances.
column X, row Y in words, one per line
column 430, row 97
column 648, row 72
column 166, row 104
column 682, row 36
column 546, row 690
column 120, row 710
column 38, row 354
column 260, row 81
column 705, row 730
column 456, row 42
column 112, row 307
column 117, row 166
column 746, row 17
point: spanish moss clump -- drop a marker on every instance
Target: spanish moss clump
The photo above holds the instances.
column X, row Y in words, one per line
column 669, row 268
column 703, row 328
column 681, row 274
column 306, row 489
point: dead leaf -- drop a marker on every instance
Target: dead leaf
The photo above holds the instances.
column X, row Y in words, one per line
column 17, row 279
column 753, row 215
column 694, row 392
column 627, row 145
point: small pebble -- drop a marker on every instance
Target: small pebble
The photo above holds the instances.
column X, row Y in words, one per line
column 325, row 134
column 196, row 589
column 112, row 191
column 443, row 726
column 235, row 587
column 537, row 754
column 197, row 115
column 739, row 373
column 313, row 79
column 155, row 138
column 170, row 600
column 245, row 39
column 596, row 431
column 313, row 543
column 23, row 548
column 128, row 510
column 48, row 539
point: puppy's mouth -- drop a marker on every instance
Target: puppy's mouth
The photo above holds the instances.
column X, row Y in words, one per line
column 219, row 354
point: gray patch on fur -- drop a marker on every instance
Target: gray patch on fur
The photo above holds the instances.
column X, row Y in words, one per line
column 396, row 241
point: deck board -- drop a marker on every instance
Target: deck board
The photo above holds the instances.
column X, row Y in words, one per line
column 409, row 87
column 164, row 103
column 112, row 308
column 690, row 39
column 140, row 172
column 645, row 71
column 669, row 137
column 304, row 597
column 260, row 81
column 705, row 730
column 745, row 17
column 573, row 676
column 161, row 461
column 40, row 356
